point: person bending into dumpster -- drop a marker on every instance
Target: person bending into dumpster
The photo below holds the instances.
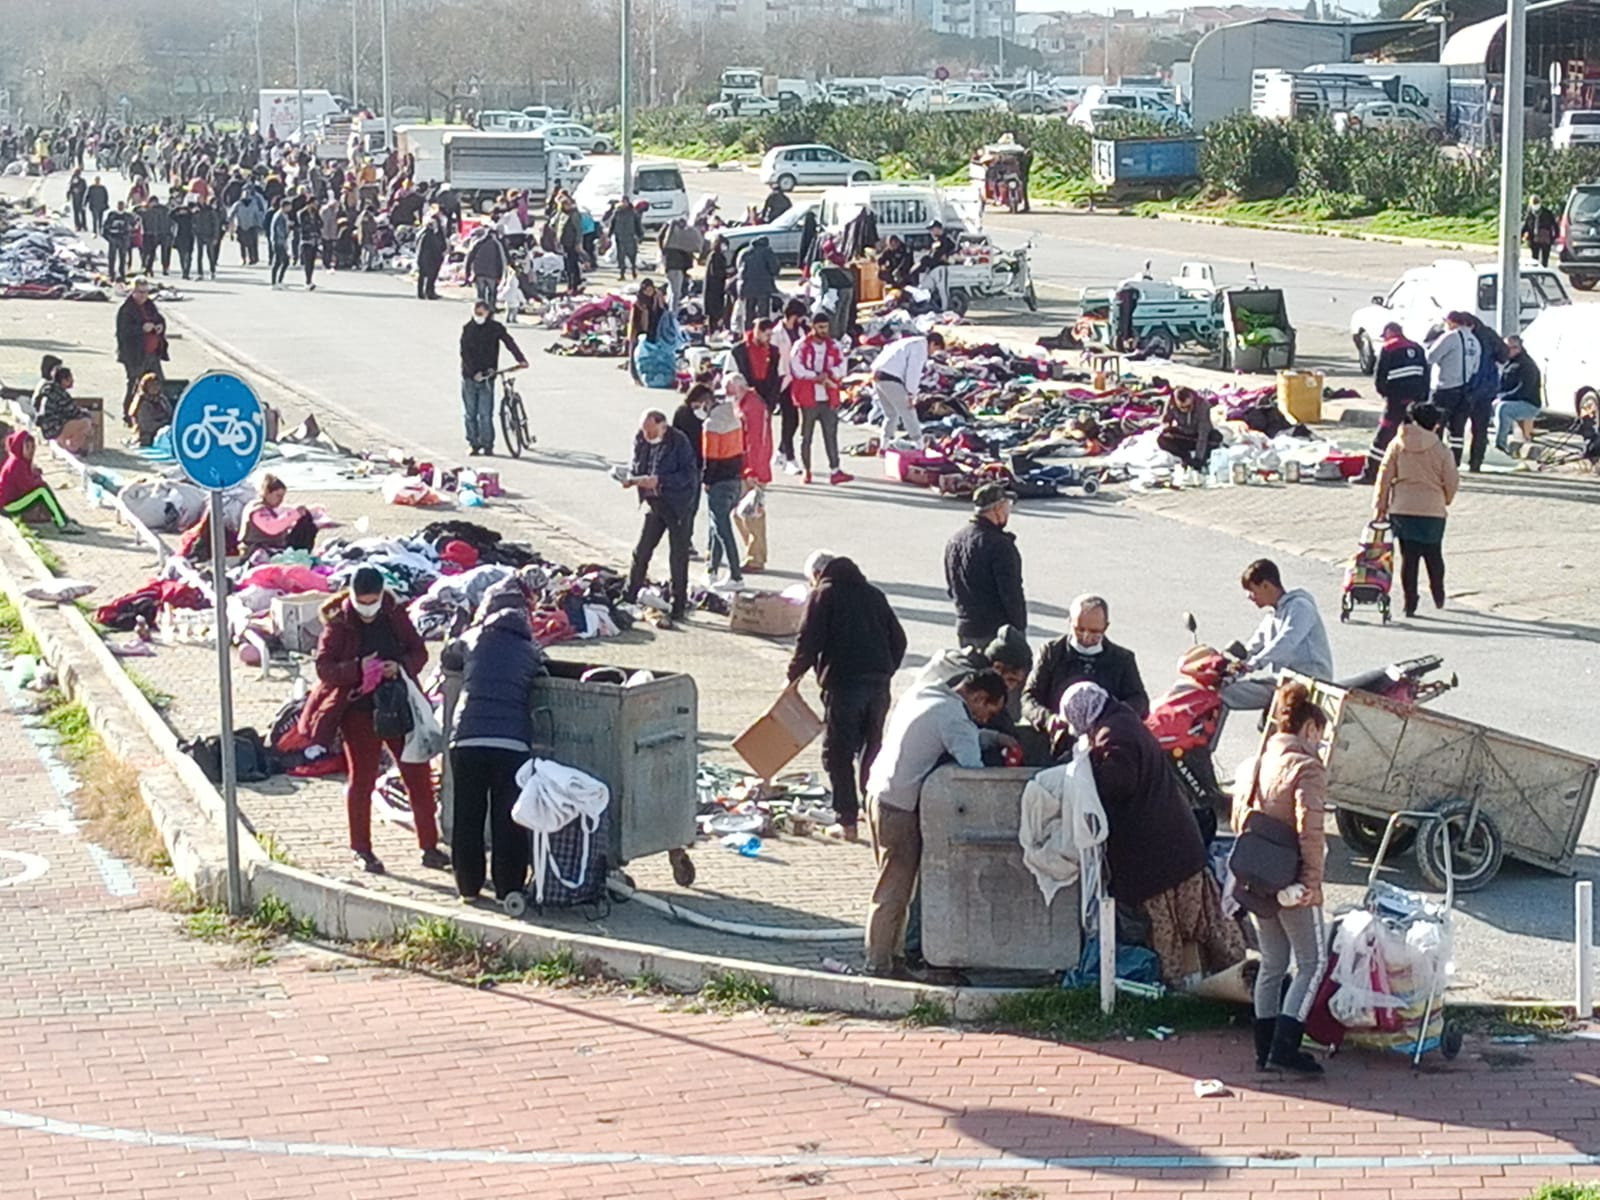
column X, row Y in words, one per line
column 850, row 636
column 367, row 638
column 491, row 737
column 1010, row 655
column 929, row 726
column 1156, row 855
column 1186, row 431
column 23, row 491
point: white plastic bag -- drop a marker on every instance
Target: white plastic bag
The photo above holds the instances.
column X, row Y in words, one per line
column 426, row 737
column 752, row 504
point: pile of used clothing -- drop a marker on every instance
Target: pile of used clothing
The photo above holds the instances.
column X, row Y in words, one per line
column 42, row 259
column 593, row 327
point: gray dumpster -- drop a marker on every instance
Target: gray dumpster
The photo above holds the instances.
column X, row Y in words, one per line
column 642, row 742
column 980, row 905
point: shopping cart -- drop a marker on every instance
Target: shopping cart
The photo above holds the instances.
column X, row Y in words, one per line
column 1382, row 989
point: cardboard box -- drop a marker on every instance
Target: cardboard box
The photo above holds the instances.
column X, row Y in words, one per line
column 779, row 734
column 765, row 614
column 1300, row 396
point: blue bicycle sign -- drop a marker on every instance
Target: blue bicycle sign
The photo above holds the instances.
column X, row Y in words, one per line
column 218, row 430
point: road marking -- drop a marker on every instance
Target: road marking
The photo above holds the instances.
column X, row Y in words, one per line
column 33, row 866
column 84, row 1131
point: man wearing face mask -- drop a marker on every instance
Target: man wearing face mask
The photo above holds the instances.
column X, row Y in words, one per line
column 481, row 339
column 1084, row 654
column 666, row 475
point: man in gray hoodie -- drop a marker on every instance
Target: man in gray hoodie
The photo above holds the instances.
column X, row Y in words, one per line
column 1291, row 637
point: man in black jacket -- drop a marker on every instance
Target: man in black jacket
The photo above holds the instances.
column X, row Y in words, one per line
column 431, row 245
column 1520, row 398
column 983, row 570
column 1085, row 653
column 852, row 639
column 141, row 340
column 1401, row 378
column 481, row 339
column 117, row 229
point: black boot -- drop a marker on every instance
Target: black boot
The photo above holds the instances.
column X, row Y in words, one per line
column 1264, row 1031
column 1286, row 1052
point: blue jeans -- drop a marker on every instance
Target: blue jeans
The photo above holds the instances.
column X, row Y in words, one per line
column 488, row 291
column 720, row 500
column 477, row 408
column 1506, row 414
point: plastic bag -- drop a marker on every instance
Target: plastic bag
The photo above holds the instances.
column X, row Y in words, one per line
column 426, row 738
column 752, row 505
column 409, row 491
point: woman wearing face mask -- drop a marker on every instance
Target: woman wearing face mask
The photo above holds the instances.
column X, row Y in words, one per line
column 1084, row 654
column 367, row 638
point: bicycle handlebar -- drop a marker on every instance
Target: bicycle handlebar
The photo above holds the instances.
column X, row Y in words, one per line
column 508, row 370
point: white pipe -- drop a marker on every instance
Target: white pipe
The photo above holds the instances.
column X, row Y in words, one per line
column 771, row 933
column 1583, row 956
column 1108, row 954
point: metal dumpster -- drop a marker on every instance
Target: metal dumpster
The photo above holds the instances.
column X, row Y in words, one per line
column 980, row 905
column 641, row 741
column 1161, row 165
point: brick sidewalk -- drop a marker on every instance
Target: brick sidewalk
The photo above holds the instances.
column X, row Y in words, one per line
column 135, row 1063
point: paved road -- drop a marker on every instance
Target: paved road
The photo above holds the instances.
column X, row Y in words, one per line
column 363, row 343
column 139, row 1064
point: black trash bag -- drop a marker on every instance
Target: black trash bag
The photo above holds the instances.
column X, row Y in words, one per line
column 253, row 760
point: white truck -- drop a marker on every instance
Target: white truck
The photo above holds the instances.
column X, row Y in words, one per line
column 1431, row 81
column 1286, row 95
column 278, row 110
column 479, row 166
column 425, row 144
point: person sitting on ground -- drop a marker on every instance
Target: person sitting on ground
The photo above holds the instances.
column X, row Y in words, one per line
column 1291, row 637
column 23, row 492
column 59, row 418
column 152, row 411
column 47, row 370
column 1186, row 431
column 1085, row 653
column 267, row 523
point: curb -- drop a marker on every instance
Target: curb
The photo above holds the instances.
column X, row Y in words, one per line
column 1354, row 235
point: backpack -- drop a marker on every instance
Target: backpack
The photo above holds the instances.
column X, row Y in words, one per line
column 1479, row 368
column 391, row 709
column 253, row 761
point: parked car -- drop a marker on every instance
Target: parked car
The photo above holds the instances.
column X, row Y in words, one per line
column 543, row 113
column 1098, row 105
column 905, row 209
column 578, row 137
column 942, row 99
column 656, row 182
column 789, row 167
column 743, row 106
column 1580, row 237
column 1390, row 114
column 1038, row 100
column 1577, row 127
column 783, row 235
column 1423, row 295
column 1565, row 344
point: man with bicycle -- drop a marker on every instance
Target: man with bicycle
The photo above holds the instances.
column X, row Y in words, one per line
column 481, row 339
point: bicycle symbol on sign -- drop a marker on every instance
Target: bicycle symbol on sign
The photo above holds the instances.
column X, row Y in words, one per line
column 222, row 429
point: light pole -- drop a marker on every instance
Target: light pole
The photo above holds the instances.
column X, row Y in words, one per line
column 299, row 89
column 1512, row 103
column 625, row 101
column 355, row 69
column 383, row 41
column 261, row 79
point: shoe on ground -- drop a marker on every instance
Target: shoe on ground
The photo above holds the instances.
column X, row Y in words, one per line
column 1286, row 1054
column 790, row 467
column 845, row 832
column 753, row 568
column 473, row 452
column 436, row 859
column 840, row 477
column 727, row 585
column 370, row 863
column 806, row 478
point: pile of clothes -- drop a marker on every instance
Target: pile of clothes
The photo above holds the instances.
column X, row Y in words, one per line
column 42, row 259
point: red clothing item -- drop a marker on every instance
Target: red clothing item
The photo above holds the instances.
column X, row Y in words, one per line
column 338, row 662
column 818, row 368
column 361, row 758
column 757, row 421
column 18, row 475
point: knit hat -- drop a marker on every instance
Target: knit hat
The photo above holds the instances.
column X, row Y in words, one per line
column 1010, row 649
column 989, row 495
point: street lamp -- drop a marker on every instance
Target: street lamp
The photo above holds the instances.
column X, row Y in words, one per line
column 625, row 101
column 1513, row 102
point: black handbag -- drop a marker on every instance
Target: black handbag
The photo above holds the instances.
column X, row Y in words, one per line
column 1265, row 858
column 391, row 709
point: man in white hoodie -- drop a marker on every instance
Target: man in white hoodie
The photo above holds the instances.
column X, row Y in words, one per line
column 1291, row 637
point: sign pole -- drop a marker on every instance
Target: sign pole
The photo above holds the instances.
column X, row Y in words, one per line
column 230, row 790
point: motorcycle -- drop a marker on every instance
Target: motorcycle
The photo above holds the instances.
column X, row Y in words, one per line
column 1188, row 719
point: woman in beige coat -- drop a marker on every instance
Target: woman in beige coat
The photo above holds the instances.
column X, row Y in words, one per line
column 1416, row 483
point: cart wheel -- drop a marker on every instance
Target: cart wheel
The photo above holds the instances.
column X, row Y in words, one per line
column 958, row 301
column 515, row 904
column 1091, row 486
column 1365, row 833
column 1450, row 1039
column 1475, row 860
column 683, row 873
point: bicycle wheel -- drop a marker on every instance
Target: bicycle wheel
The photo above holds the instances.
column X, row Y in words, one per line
column 513, row 422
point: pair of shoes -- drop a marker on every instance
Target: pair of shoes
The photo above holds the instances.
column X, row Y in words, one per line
column 435, row 859
column 473, row 452
column 370, row 862
column 839, row 477
column 1285, row 1052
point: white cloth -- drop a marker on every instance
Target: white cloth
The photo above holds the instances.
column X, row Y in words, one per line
column 550, row 797
column 1063, row 829
column 427, row 736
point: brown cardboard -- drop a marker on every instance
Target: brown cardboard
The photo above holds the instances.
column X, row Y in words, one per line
column 779, row 734
column 766, row 614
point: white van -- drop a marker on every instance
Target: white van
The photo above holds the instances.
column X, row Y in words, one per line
column 904, row 209
column 1565, row 343
column 658, row 182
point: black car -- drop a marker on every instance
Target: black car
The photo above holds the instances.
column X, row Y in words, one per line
column 1580, row 237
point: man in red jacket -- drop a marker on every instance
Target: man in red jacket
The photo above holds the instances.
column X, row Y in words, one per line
column 818, row 367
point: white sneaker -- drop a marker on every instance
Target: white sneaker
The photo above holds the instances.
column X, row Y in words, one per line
column 727, row 585
column 790, row 467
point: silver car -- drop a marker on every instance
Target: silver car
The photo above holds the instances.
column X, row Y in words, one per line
column 783, row 235
column 789, row 167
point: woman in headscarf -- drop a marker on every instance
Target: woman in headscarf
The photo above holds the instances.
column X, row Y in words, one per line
column 1154, row 852
column 23, row 491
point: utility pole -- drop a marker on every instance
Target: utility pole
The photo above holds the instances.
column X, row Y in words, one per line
column 355, row 54
column 1512, row 104
column 383, row 42
column 261, row 79
column 655, row 95
column 625, row 101
column 299, row 88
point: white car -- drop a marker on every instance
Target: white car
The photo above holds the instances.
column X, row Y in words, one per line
column 789, row 167
column 742, row 106
column 1577, row 127
column 1565, row 344
column 1423, row 295
column 1390, row 114
column 543, row 114
column 575, row 137
column 953, row 100
column 1099, row 108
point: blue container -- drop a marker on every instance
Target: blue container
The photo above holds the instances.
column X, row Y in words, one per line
column 1143, row 162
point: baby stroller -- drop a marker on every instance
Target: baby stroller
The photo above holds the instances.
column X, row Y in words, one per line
column 1370, row 575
